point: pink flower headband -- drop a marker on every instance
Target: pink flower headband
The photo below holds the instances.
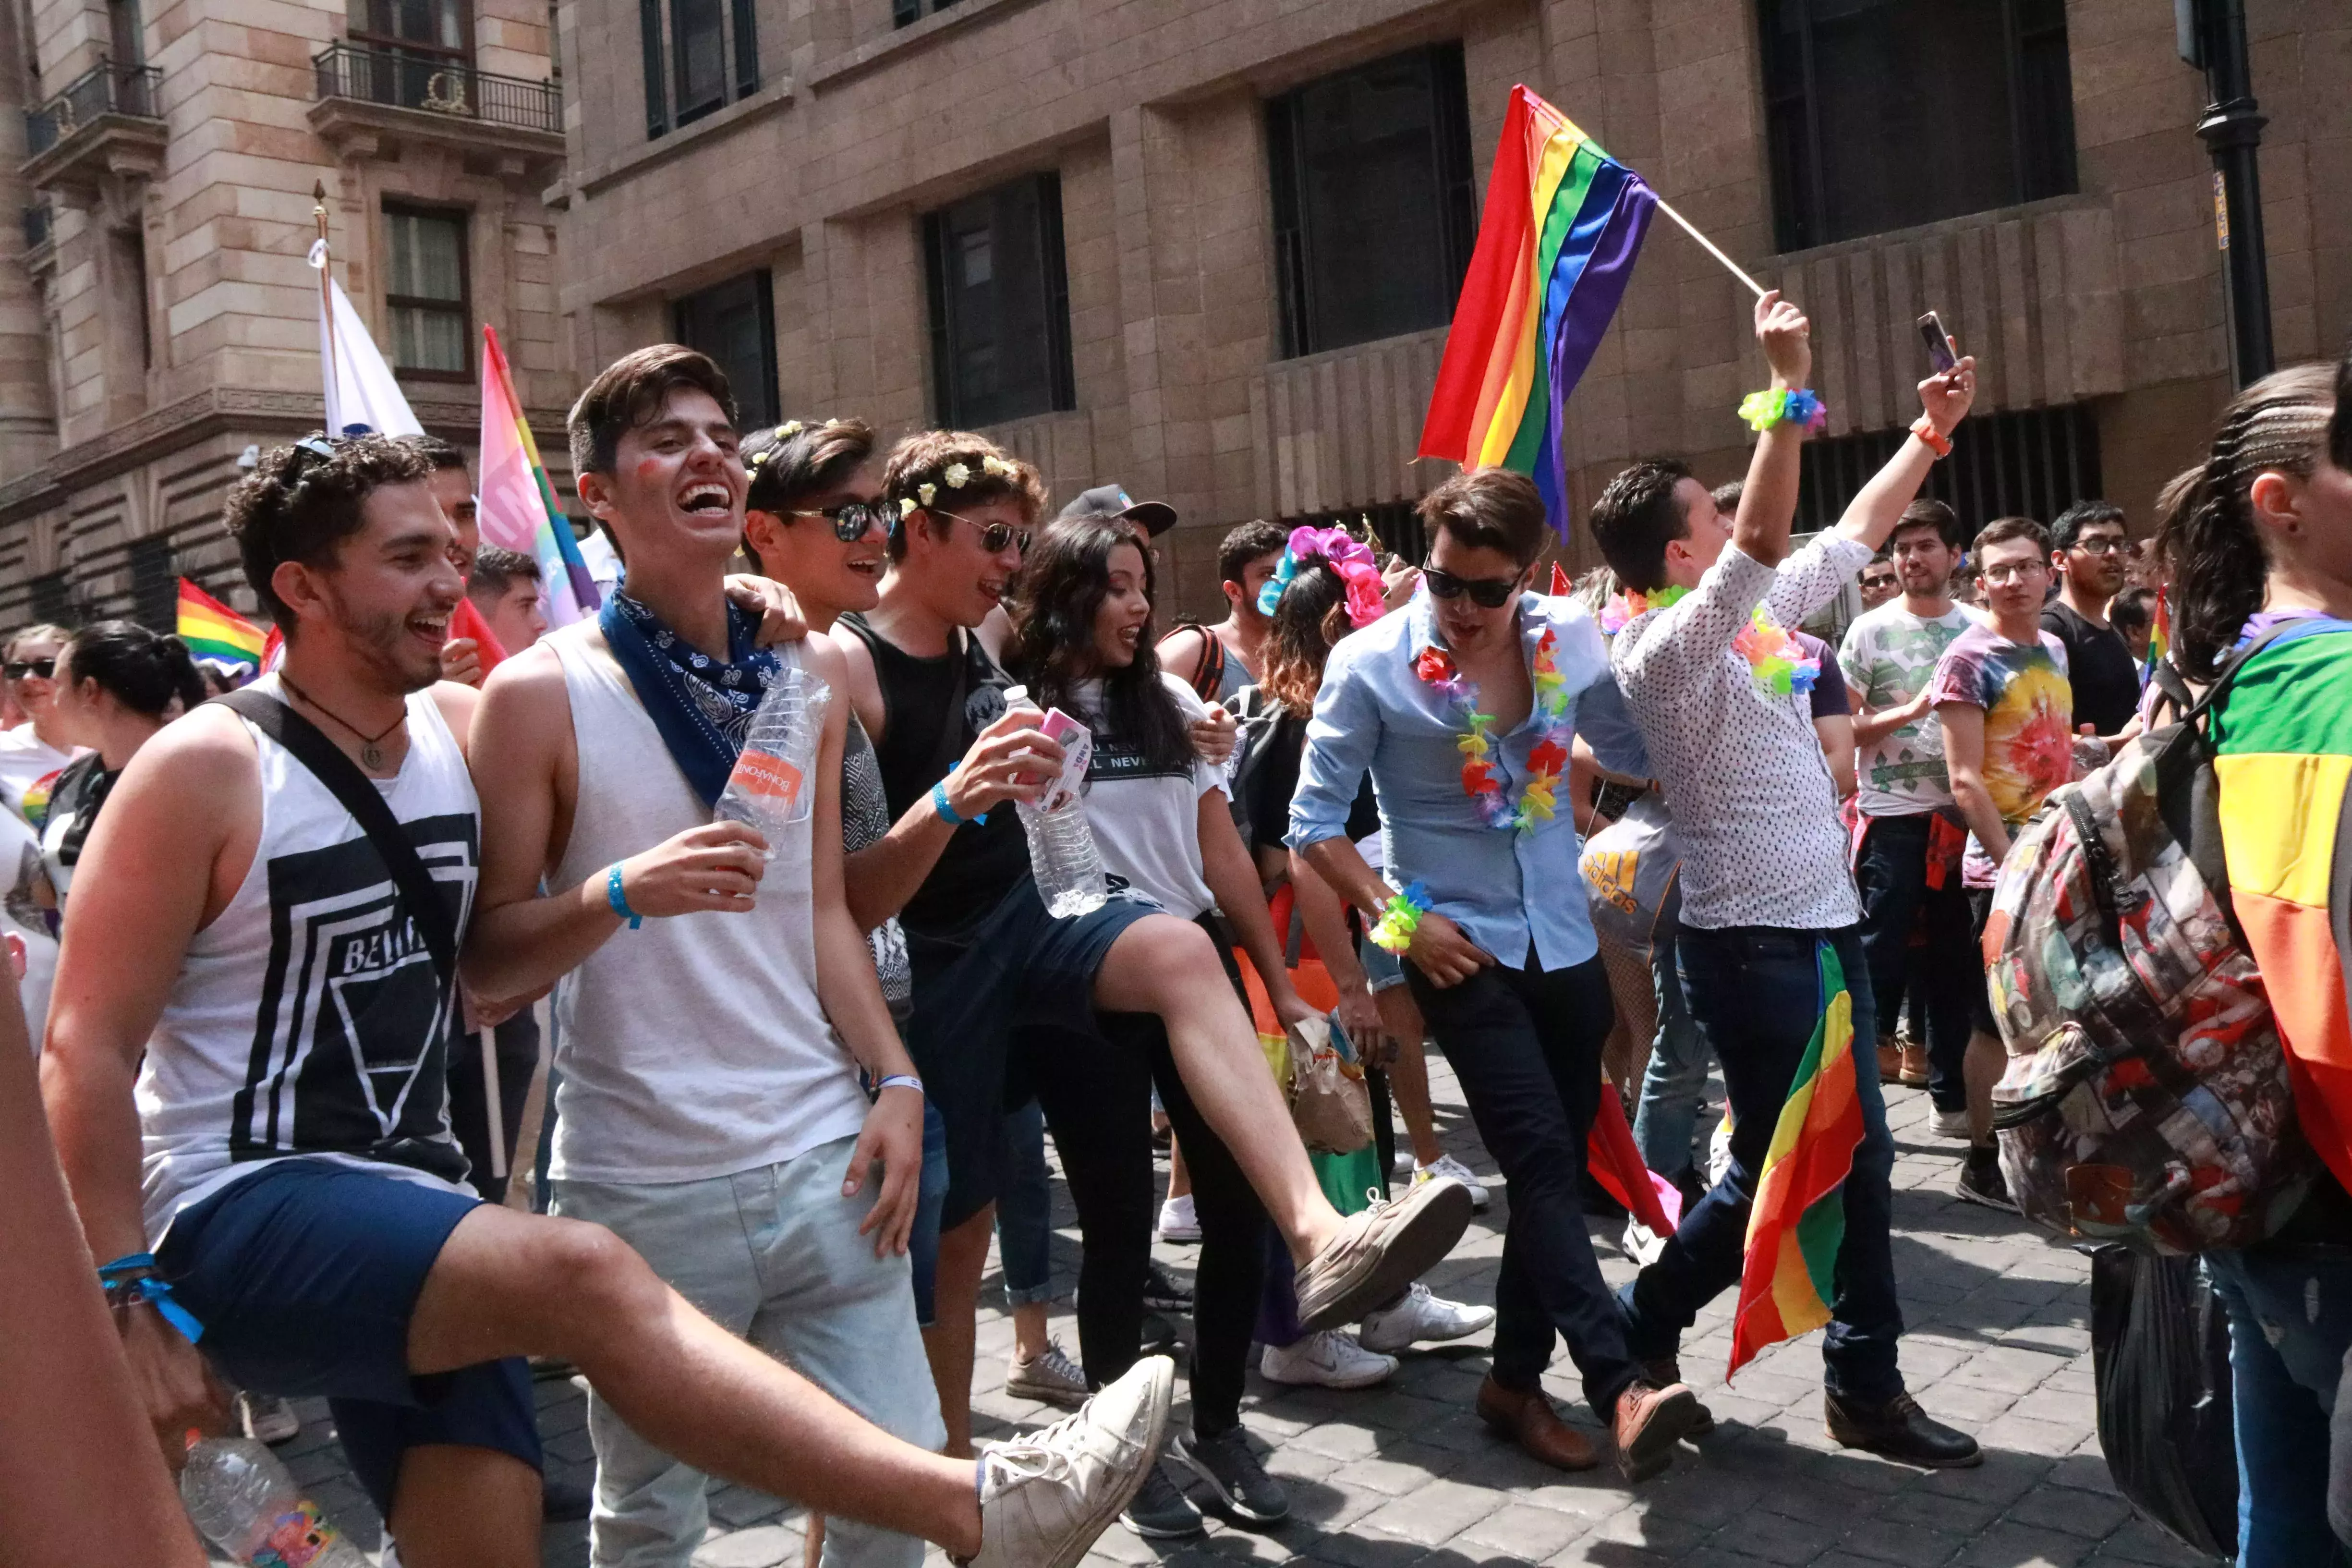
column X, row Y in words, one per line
column 1344, row 554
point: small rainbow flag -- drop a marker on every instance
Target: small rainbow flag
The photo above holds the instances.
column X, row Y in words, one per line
column 2159, row 636
column 1563, row 224
column 518, row 506
column 1799, row 1219
column 212, row 630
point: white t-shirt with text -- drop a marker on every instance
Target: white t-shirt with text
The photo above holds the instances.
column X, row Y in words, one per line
column 1146, row 819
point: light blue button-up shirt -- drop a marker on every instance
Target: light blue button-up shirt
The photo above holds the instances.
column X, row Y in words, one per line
column 1503, row 887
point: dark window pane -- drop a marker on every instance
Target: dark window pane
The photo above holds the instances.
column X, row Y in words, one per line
column 999, row 305
column 699, row 43
column 734, row 323
column 656, row 100
column 52, row 600
column 424, row 287
column 154, row 588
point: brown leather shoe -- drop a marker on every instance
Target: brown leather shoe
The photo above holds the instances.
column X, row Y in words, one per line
column 1890, row 1062
column 1649, row 1422
column 1528, row 1419
column 1914, row 1067
column 1665, row 1373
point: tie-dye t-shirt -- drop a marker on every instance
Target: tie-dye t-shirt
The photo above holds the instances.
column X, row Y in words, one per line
column 2028, row 709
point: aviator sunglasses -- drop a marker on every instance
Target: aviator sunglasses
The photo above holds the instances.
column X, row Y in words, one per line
column 1486, row 593
column 993, row 537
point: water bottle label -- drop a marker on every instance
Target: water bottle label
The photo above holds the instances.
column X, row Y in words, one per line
column 1078, row 743
column 766, row 775
column 297, row 1537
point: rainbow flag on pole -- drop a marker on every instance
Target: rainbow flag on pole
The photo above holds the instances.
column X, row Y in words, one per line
column 1799, row 1220
column 1563, row 224
column 212, row 630
column 2159, row 636
column 518, row 507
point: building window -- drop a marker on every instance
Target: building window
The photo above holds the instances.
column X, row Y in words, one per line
column 735, row 323
column 1000, row 301
column 154, row 585
column 424, row 287
column 2033, row 463
column 698, row 56
column 411, row 44
column 1884, row 114
column 1374, row 200
column 903, row 12
column 50, row 600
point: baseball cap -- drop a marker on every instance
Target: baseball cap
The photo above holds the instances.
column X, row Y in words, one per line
column 1111, row 500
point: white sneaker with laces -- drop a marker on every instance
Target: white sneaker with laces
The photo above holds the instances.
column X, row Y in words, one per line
column 1044, row 1498
column 1639, row 1243
column 1949, row 1124
column 1332, row 1359
column 1178, row 1221
column 1420, row 1317
column 1447, row 1165
column 1052, row 1378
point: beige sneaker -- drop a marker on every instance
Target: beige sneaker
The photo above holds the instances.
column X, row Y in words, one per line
column 1044, row 1498
column 1380, row 1251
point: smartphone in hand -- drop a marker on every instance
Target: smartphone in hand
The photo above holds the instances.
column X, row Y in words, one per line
column 1940, row 357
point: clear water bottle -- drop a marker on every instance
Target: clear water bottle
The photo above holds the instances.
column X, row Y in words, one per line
column 771, row 784
column 246, row 1504
column 1062, row 855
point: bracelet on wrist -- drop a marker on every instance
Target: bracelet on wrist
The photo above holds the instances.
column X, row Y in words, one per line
column 1394, row 932
column 1784, row 405
column 1936, row 441
column 617, row 896
column 945, row 808
column 136, row 1277
column 900, row 1081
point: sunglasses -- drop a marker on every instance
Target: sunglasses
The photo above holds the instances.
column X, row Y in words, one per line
column 1486, row 593
column 993, row 537
column 44, row 669
column 853, row 519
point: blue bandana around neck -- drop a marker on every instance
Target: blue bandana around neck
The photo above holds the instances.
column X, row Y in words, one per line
column 701, row 705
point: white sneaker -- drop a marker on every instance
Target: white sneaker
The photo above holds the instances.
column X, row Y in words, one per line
column 1044, row 1498
column 1332, row 1359
column 1420, row 1317
column 1950, row 1124
column 1178, row 1222
column 1402, row 1164
column 1639, row 1243
column 1447, row 1165
column 1718, row 1150
column 267, row 1418
column 1052, row 1378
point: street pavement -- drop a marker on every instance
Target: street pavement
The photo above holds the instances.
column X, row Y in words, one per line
column 1404, row 1476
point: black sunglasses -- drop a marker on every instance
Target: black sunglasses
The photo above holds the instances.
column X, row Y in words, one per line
column 994, row 536
column 1486, row 593
column 852, row 520
column 44, row 668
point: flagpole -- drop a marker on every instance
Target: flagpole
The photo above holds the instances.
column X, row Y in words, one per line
column 1704, row 244
column 327, row 283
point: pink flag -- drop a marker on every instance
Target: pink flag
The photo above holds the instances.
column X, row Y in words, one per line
column 518, row 505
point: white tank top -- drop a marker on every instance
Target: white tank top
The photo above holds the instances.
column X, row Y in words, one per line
column 306, row 1019
column 692, row 1047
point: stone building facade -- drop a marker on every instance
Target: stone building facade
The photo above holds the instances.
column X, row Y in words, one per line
column 843, row 198
column 157, row 314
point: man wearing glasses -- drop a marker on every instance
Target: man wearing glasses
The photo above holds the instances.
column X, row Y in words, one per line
column 2091, row 556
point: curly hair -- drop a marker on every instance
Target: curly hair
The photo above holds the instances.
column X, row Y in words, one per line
column 1309, row 621
column 924, row 467
column 1063, row 585
column 300, row 502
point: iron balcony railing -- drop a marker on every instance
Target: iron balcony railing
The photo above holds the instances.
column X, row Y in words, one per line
column 108, row 89
column 372, row 73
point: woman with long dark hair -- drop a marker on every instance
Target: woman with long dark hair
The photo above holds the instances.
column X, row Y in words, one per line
column 117, row 684
column 2261, row 551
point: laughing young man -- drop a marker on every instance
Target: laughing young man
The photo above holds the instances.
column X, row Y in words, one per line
column 1765, row 884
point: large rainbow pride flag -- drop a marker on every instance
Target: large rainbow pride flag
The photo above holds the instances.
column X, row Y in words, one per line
column 516, row 505
column 212, row 630
column 1563, row 224
column 1799, row 1220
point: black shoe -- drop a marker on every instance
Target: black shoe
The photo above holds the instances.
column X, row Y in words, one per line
column 1159, row 1510
column 1981, row 1181
column 563, row 1503
column 1160, row 1336
column 1231, row 1469
column 1901, row 1431
column 1161, row 1293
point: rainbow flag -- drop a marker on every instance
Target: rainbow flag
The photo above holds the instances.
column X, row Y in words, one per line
column 518, row 507
column 212, row 630
column 2159, row 636
column 1563, row 224
column 1799, row 1219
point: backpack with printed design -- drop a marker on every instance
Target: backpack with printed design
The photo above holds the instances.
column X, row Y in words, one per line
column 2146, row 1100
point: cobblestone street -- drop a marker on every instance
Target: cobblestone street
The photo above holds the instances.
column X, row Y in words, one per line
column 1999, row 1343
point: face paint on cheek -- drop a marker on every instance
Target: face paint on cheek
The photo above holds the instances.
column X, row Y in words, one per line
column 648, row 470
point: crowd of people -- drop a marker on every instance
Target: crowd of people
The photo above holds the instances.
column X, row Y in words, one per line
column 284, row 956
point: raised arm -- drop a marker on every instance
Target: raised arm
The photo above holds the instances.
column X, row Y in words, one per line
column 1768, row 503
column 1944, row 401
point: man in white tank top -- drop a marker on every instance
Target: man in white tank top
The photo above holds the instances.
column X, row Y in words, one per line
column 238, row 944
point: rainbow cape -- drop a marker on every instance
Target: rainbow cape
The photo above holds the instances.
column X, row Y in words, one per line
column 1799, row 1220
column 1563, row 224
column 518, row 507
column 212, row 630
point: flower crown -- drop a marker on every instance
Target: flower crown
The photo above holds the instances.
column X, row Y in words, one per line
column 783, row 433
column 955, row 476
column 1351, row 557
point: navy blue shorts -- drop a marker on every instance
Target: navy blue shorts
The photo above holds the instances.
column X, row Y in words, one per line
column 305, row 1274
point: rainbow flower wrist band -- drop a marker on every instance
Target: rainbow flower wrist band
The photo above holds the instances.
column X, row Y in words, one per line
column 1393, row 933
column 1785, row 405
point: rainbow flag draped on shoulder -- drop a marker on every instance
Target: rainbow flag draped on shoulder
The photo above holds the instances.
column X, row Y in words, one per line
column 518, row 506
column 212, row 630
column 1563, row 224
column 1799, row 1220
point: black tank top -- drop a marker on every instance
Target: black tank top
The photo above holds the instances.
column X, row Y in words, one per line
column 932, row 710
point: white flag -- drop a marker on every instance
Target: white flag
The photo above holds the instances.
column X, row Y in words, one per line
column 361, row 394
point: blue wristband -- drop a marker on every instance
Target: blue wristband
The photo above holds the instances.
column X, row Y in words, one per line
column 940, row 804
column 618, row 898
column 132, row 1278
column 900, row 1081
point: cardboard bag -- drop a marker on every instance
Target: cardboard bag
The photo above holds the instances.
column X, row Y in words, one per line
column 1328, row 1100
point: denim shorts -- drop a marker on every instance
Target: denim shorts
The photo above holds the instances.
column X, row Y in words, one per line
column 305, row 1274
column 1382, row 968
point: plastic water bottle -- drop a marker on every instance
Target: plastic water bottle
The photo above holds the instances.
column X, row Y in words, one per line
column 246, row 1504
column 772, row 783
column 1062, row 855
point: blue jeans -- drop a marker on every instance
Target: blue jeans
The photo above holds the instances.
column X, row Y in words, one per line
column 1024, row 1210
column 931, row 1198
column 1945, row 971
column 2289, row 1323
column 1755, row 994
column 1664, row 1122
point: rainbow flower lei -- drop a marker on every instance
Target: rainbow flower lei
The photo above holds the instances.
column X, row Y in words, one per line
column 1782, row 666
column 1546, row 759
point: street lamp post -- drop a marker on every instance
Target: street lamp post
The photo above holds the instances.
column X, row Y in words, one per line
column 2212, row 34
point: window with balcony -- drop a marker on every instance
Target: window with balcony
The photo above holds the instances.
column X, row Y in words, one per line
column 1000, row 304
column 424, row 291
column 735, row 323
column 1884, row 114
column 413, row 53
column 699, row 56
column 1374, row 200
